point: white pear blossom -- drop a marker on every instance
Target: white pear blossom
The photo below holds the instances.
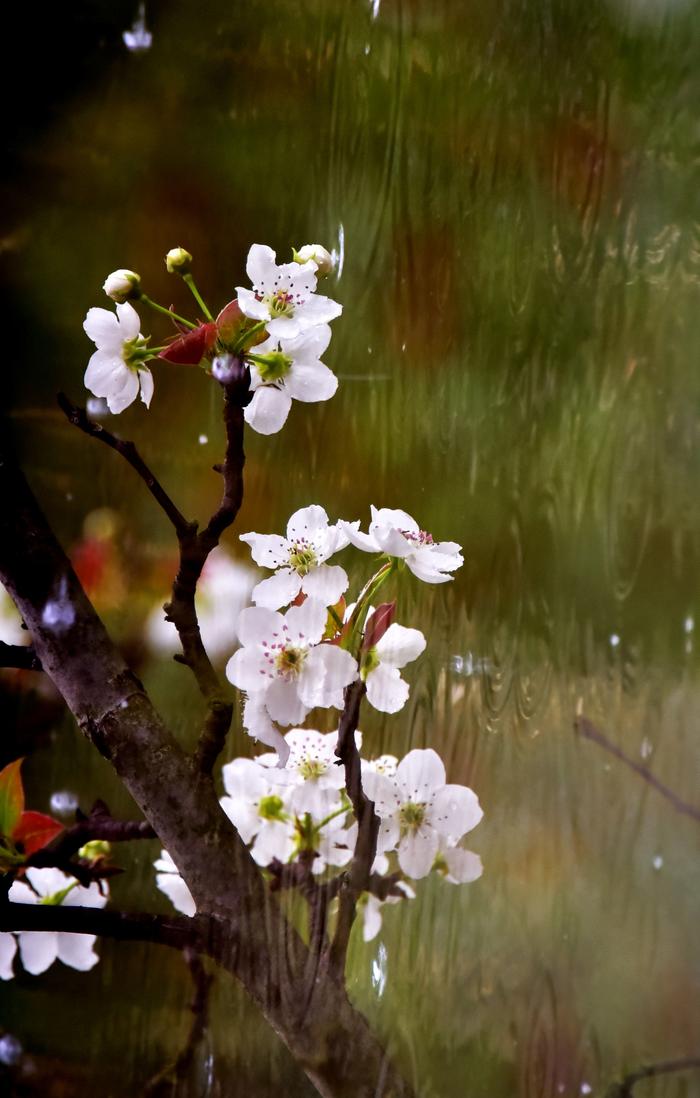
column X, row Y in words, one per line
column 116, row 369
column 317, row 254
column 283, row 294
column 300, row 560
column 312, row 771
column 397, row 534
column 224, row 588
column 283, row 369
column 258, row 809
column 38, row 949
column 121, row 285
column 383, row 764
column 386, row 690
column 169, row 881
column 418, row 810
column 283, row 665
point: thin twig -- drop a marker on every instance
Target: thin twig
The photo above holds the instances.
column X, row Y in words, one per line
column 21, row 656
column 588, row 730
column 98, row 825
column 79, row 418
column 195, row 548
column 664, row 1067
column 176, row 1072
column 357, row 879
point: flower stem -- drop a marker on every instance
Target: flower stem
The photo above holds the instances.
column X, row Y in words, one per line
column 166, row 312
column 189, row 282
column 248, row 332
column 357, row 619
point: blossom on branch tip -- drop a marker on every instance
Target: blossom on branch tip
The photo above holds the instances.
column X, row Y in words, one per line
column 282, row 370
column 178, row 261
column 283, row 294
column 299, row 560
column 396, row 534
column 116, row 370
column 38, row 949
column 258, row 810
column 283, row 665
column 122, row 285
column 419, row 811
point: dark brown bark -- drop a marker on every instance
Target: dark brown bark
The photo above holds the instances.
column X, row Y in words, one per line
column 305, row 1005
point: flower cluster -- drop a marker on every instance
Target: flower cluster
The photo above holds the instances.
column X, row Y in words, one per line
column 38, row 949
column 302, row 812
column 275, row 332
column 301, row 645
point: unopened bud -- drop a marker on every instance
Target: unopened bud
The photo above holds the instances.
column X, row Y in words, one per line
column 123, row 286
column 232, row 373
column 178, row 261
column 318, row 255
column 95, row 850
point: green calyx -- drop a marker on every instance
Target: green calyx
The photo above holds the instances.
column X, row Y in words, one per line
column 58, row 897
column 135, row 352
column 370, row 662
column 273, row 367
column 271, row 808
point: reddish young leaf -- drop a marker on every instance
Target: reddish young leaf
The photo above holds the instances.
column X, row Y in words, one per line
column 190, row 349
column 377, row 624
column 231, row 322
column 35, row 830
column 11, row 797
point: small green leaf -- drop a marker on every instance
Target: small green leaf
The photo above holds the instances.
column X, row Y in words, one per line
column 11, row 797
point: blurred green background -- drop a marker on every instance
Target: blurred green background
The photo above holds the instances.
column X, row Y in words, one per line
column 512, row 190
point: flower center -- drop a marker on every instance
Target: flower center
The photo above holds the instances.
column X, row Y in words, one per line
column 270, row 808
column 273, row 367
column 281, row 303
column 302, row 558
column 311, row 769
column 411, row 816
column 290, row 661
column 422, row 537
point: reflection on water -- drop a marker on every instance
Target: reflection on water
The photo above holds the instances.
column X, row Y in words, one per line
column 510, row 192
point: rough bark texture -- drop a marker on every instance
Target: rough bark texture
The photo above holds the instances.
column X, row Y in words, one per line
column 305, row 1005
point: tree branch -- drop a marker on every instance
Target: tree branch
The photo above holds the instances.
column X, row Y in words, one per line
column 248, row 935
column 176, row 1072
column 588, row 730
column 21, row 656
column 664, row 1067
column 357, row 879
column 124, row 926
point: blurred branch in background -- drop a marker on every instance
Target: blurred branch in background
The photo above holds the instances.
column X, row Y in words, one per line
column 664, row 1067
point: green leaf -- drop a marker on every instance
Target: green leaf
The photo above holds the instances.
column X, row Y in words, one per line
column 11, row 797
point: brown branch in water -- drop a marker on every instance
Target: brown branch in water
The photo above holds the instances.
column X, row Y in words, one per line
column 20, row 656
column 195, row 548
column 356, row 880
column 664, row 1067
column 162, row 1084
column 588, row 730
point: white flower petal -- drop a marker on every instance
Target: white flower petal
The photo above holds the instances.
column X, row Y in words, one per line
column 308, row 347
column 307, row 622
column 261, row 266
column 420, row 774
column 102, row 326
column 248, row 669
column 391, row 541
column 268, row 410
column 147, row 386
column 400, row 645
column 306, row 523
column 366, row 542
column 129, row 321
column 392, row 516
column 327, row 670
column 463, row 865
column 318, row 310
column 257, row 624
column 38, row 950
column 325, row 583
column 8, row 948
column 279, row 590
column 120, row 399
column 417, row 852
column 454, row 810
column 386, row 690
column 284, row 704
column 75, row 950
column 250, row 306
column 177, row 892
column 372, row 918
column 311, row 383
column 284, row 327
column 105, row 372
column 268, row 550
column 383, row 791
column 424, row 572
